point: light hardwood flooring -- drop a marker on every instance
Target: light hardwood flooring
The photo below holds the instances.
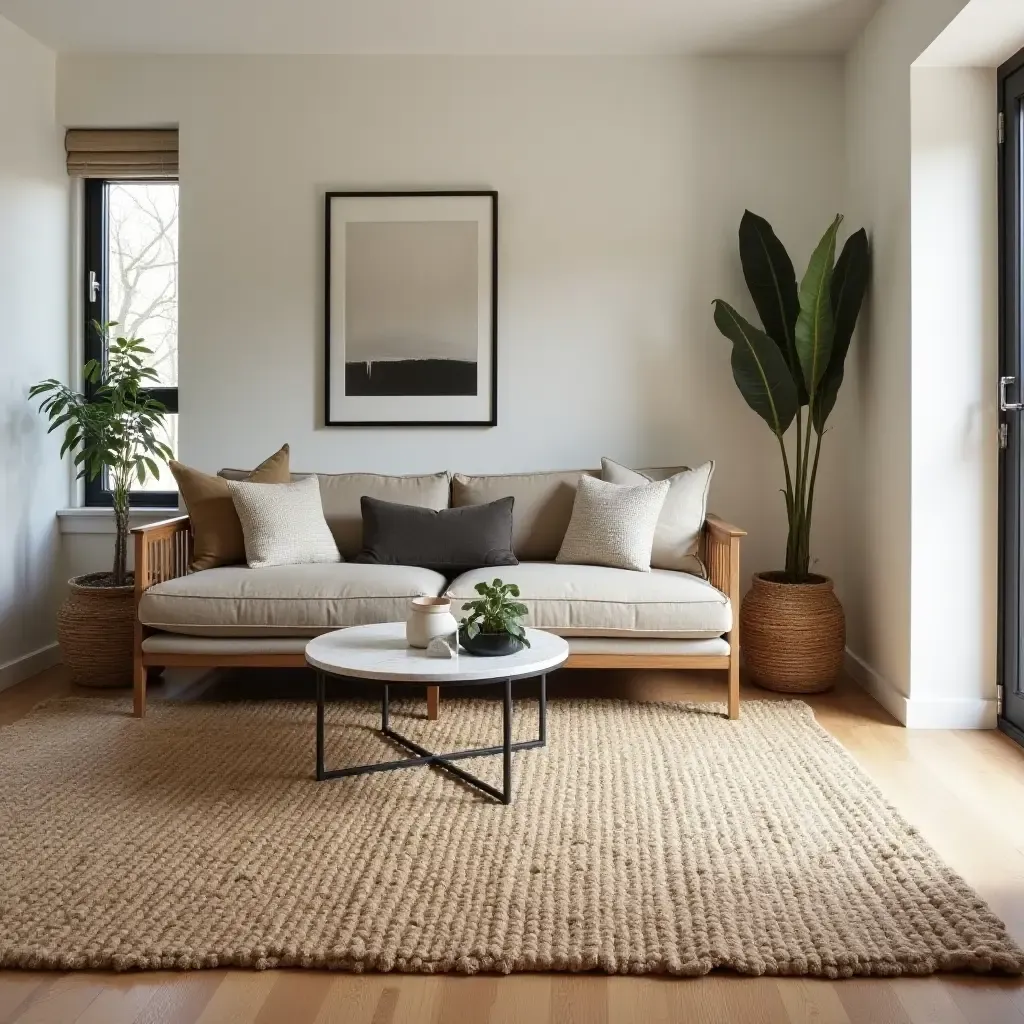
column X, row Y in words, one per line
column 965, row 790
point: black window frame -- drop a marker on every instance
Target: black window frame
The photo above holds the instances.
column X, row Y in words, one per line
column 1010, row 677
column 94, row 308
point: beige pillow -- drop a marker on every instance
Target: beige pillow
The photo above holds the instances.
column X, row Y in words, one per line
column 613, row 525
column 283, row 524
column 216, row 532
column 677, row 538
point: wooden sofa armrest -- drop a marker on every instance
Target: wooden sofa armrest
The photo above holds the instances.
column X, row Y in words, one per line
column 162, row 552
column 722, row 556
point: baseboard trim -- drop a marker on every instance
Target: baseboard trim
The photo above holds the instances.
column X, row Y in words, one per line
column 19, row 669
column 881, row 689
column 957, row 713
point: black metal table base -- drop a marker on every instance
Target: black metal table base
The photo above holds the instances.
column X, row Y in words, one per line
column 428, row 757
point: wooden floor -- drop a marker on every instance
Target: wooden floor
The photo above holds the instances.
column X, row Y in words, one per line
column 965, row 790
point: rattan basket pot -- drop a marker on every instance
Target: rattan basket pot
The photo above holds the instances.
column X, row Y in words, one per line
column 96, row 630
column 792, row 634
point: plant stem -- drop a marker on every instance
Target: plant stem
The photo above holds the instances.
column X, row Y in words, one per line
column 810, row 493
column 789, row 496
column 804, row 538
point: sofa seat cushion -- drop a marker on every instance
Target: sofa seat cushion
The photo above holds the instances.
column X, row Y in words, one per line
column 285, row 600
column 592, row 600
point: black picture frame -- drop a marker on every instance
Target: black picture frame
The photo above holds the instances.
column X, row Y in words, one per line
column 492, row 419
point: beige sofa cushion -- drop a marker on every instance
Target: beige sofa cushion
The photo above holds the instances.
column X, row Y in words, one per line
column 543, row 505
column 677, row 538
column 285, row 600
column 542, row 509
column 592, row 600
column 340, row 494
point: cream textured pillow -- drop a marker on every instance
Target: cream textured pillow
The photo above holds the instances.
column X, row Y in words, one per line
column 613, row 525
column 677, row 538
column 283, row 524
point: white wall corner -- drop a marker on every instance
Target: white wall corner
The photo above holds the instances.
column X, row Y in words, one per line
column 19, row 669
column 877, row 686
column 922, row 713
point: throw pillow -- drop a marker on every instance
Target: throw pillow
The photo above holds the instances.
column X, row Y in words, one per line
column 216, row 532
column 283, row 524
column 613, row 525
column 450, row 541
column 677, row 538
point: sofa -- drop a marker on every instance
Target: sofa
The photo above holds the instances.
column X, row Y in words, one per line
column 234, row 616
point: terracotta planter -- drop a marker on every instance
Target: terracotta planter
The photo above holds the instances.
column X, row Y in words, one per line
column 96, row 631
column 792, row 635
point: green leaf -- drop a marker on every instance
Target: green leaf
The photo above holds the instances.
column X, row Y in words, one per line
column 815, row 326
column 849, row 283
column 472, row 629
column 513, row 590
column 759, row 369
column 771, row 281
column 481, row 588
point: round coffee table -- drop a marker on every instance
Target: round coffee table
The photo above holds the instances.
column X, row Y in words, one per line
column 380, row 654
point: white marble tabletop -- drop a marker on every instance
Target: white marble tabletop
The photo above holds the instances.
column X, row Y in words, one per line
column 380, row 652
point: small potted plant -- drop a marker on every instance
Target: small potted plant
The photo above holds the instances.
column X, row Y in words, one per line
column 494, row 625
column 111, row 430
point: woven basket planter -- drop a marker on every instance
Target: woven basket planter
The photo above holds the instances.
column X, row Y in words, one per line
column 96, row 631
column 792, row 634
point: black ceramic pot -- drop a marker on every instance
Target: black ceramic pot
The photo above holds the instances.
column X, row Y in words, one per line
column 490, row 645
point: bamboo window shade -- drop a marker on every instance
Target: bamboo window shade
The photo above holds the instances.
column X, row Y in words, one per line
column 122, row 153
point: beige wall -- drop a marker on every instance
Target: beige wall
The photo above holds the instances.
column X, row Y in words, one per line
column 621, row 181
column 921, row 158
column 34, row 305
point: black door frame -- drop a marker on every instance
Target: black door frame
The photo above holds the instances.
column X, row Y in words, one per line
column 1010, row 99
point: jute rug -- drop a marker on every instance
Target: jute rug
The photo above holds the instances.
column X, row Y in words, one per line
column 644, row 838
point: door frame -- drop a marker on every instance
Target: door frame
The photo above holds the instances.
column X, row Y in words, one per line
column 1011, row 363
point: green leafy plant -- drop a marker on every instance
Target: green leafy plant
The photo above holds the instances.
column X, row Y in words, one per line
column 496, row 610
column 113, row 428
column 796, row 362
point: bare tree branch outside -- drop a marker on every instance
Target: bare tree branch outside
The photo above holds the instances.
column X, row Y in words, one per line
column 142, row 230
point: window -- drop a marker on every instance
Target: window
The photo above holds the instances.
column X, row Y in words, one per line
column 131, row 277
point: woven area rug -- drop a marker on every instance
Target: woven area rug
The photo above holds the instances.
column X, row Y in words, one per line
column 644, row 838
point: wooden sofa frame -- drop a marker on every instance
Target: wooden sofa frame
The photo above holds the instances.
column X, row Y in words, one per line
column 163, row 551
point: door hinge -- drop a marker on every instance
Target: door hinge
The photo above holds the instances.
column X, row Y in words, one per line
column 1003, row 432
column 999, row 698
column 1002, row 128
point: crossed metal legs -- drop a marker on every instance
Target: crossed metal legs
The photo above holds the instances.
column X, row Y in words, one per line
column 427, row 757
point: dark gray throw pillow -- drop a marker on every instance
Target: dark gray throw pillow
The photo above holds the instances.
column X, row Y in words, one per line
column 451, row 541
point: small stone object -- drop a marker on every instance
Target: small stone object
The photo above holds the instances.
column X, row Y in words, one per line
column 442, row 647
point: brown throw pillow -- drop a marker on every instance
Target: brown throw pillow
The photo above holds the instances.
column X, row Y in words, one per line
column 216, row 532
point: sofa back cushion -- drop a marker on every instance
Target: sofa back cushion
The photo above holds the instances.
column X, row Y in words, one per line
column 542, row 509
column 340, row 494
column 543, row 505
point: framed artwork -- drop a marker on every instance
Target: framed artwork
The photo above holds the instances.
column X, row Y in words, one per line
column 411, row 321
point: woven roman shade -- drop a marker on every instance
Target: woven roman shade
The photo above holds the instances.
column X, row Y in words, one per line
column 122, row 153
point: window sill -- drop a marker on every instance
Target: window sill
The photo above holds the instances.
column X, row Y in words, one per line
column 101, row 520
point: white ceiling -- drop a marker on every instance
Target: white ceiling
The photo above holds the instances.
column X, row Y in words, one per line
column 442, row 26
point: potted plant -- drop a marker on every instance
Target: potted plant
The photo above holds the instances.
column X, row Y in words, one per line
column 789, row 371
column 494, row 626
column 113, row 429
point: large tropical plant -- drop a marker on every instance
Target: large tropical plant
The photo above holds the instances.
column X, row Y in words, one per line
column 113, row 428
column 790, row 369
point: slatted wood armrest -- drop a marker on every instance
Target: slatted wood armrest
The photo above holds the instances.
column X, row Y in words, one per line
column 162, row 551
column 722, row 558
